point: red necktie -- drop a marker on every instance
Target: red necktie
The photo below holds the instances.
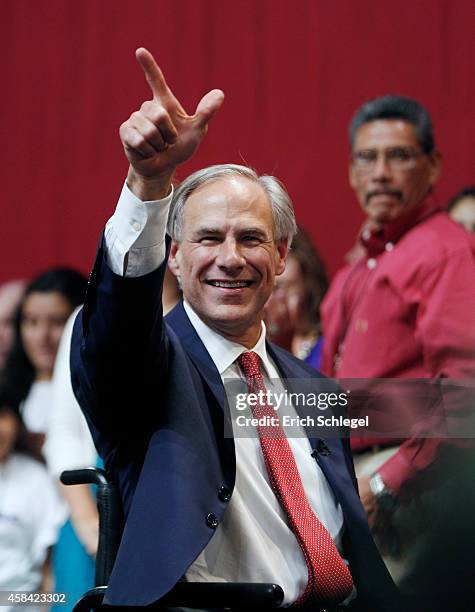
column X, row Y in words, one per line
column 329, row 579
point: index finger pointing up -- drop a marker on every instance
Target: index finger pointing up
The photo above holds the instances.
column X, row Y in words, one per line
column 153, row 74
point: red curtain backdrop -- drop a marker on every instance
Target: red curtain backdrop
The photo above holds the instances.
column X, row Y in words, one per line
column 293, row 72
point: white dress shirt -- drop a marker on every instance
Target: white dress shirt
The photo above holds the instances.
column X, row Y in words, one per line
column 253, row 543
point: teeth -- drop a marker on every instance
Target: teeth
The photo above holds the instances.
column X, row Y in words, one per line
column 229, row 284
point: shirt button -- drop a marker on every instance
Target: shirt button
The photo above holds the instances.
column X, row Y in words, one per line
column 371, row 263
column 212, row 520
column 224, row 494
column 389, row 246
column 136, row 225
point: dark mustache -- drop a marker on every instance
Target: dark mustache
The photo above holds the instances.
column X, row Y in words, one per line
column 392, row 192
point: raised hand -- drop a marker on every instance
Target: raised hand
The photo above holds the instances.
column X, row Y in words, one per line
column 161, row 135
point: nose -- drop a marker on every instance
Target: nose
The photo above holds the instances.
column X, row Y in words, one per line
column 381, row 170
column 229, row 256
column 43, row 333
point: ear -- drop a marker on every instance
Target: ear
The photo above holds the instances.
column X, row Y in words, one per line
column 435, row 167
column 283, row 249
column 174, row 258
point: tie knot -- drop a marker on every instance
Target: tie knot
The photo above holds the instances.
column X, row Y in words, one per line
column 250, row 364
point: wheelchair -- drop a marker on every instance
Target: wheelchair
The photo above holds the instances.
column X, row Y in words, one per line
column 194, row 595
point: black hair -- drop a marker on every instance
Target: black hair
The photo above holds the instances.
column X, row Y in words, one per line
column 396, row 107
column 19, row 373
column 25, row 442
column 465, row 192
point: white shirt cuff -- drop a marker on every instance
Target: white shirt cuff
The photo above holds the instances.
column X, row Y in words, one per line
column 135, row 234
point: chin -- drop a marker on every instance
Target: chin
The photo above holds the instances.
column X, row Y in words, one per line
column 383, row 214
column 44, row 366
column 232, row 321
column 233, row 314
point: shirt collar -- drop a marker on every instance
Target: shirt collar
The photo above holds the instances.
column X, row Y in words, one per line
column 222, row 351
column 375, row 238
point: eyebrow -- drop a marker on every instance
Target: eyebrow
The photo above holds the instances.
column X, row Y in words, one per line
column 213, row 231
column 206, row 231
column 252, row 230
column 391, row 148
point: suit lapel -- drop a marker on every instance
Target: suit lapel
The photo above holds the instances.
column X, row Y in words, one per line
column 179, row 322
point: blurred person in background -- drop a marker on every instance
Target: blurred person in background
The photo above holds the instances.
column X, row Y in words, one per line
column 461, row 208
column 406, row 310
column 293, row 309
column 10, row 296
column 47, row 303
column 30, row 509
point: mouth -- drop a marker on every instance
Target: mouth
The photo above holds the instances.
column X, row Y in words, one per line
column 45, row 354
column 227, row 284
column 383, row 194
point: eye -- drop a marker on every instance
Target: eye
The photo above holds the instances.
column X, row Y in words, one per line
column 59, row 321
column 251, row 240
column 400, row 154
column 365, row 157
column 208, row 240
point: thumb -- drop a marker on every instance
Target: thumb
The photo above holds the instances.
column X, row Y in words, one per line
column 208, row 105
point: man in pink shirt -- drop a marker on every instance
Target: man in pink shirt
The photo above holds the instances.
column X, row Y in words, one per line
column 406, row 308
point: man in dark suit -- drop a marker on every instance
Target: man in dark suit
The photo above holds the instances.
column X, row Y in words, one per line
column 200, row 505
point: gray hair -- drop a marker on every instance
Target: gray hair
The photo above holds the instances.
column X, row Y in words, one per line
column 282, row 209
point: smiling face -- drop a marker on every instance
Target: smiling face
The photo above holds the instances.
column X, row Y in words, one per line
column 44, row 316
column 401, row 175
column 227, row 258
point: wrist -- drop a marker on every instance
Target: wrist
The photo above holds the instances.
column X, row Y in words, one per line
column 377, row 485
column 149, row 188
column 383, row 496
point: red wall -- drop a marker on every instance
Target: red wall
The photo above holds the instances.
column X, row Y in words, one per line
column 293, row 72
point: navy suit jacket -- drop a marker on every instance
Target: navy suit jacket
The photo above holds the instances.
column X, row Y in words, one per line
column 156, row 406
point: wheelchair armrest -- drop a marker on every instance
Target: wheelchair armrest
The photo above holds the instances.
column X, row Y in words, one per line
column 223, row 595
column 90, row 475
column 111, row 520
column 201, row 595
